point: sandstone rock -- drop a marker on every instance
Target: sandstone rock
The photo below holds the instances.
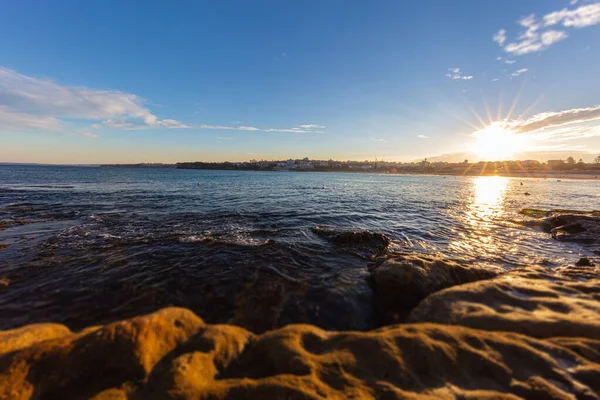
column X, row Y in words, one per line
column 534, row 301
column 403, row 280
column 81, row 365
column 15, row 339
column 172, row 354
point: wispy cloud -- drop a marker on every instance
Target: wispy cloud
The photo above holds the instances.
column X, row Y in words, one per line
column 554, row 119
column 379, row 139
column 311, row 126
column 455, row 74
column 519, row 72
column 32, row 103
column 547, row 128
column 510, row 61
column 578, row 18
column 29, row 103
column 223, row 138
column 500, row 37
column 495, row 79
column 422, row 136
column 307, row 129
column 538, row 34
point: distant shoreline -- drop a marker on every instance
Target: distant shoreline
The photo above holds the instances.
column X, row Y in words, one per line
column 592, row 175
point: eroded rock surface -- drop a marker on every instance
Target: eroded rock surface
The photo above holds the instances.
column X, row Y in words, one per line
column 535, row 301
column 402, row 280
column 173, row 354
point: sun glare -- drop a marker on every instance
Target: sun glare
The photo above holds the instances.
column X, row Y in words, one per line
column 496, row 143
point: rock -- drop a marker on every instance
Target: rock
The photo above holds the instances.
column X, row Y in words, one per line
column 584, row 262
column 533, row 301
column 15, row 339
column 172, row 354
column 82, row 365
column 583, row 229
column 403, row 280
column 363, row 243
column 568, row 225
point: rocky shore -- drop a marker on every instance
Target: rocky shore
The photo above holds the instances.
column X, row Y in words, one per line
column 448, row 331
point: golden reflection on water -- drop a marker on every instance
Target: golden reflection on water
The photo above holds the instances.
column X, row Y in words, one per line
column 488, row 195
column 485, row 206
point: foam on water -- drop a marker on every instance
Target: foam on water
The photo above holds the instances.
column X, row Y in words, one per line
column 86, row 245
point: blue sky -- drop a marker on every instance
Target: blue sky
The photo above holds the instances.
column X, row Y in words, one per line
column 158, row 81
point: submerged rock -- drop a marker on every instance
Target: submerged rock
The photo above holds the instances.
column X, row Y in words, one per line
column 404, row 279
column 532, row 300
column 569, row 226
column 359, row 242
column 172, row 354
column 584, row 262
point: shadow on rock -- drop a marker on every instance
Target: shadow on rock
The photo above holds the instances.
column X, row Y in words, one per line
column 534, row 301
column 402, row 280
column 173, row 354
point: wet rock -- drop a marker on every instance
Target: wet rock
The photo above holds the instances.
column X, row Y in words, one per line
column 569, row 226
column 534, row 301
column 363, row 243
column 401, row 281
column 171, row 354
column 584, row 262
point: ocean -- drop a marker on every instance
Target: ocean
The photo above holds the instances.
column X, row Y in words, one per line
column 88, row 245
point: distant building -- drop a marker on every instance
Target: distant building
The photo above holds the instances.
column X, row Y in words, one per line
column 555, row 163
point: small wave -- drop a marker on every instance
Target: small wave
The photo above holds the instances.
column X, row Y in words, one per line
column 51, row 186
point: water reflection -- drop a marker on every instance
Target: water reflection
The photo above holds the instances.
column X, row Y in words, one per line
column 480, row 218
column 488, row 196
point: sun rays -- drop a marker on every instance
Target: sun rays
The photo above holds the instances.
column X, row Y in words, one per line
column 496, row 142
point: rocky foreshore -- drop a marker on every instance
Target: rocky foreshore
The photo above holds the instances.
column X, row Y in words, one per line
column 449, row 331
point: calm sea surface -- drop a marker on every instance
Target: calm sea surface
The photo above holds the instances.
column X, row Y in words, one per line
column 88, row 245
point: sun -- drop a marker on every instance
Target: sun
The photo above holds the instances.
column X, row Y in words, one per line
column 497, row 143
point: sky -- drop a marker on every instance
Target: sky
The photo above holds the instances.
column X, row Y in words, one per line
column 156, row 81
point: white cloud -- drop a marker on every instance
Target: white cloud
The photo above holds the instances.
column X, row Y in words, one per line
column 422, row 136
column 255, row 129
column 223, row 138
column 310, row 126
column 455, row 74
column 498, row 58
column 554, row 119
column 379, row 139
column 510, row 61
column 546, row 130
column 500, row 37
column 495, row 79
column 578, row 18
column 537, row 35
column 32, row 103
column 28, row 103
column 519, row 72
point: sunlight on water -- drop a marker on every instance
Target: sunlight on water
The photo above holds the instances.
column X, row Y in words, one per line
column 488, row 195
column 485, row 206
